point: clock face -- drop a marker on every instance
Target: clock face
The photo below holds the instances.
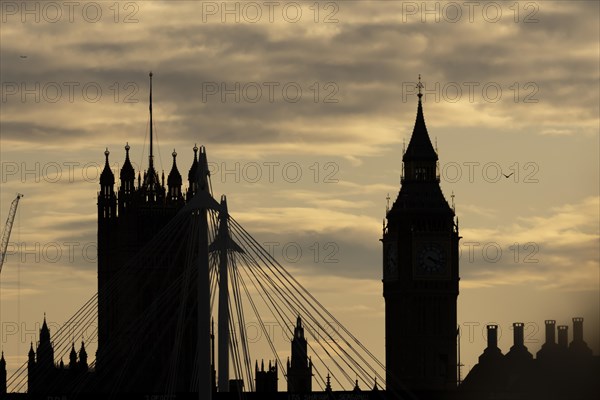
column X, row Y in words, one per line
column 431, row 260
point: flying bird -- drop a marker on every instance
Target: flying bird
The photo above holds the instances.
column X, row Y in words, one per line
column 23, row 56
column 507, row 176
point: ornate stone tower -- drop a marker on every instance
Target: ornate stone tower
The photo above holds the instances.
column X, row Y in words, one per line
column 138, row 335
column 420, row 274
column 299, row 369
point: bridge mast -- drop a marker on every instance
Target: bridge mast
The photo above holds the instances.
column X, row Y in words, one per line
column 223, row 298
column 199, row 206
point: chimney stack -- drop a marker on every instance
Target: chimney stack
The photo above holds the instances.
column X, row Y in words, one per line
column 518, row 334
column 578, row 329
column 550, row 331
column 563, row 335
column 492, row 336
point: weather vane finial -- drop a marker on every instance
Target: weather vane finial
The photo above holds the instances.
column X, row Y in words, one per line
column 420, row 86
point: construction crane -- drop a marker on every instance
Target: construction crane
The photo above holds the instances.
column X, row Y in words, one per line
column 8, row 227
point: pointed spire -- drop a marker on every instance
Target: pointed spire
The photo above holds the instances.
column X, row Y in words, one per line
column 152, row 185
column 107, row 178
column 298, row 330
column 127, row 171
column 328, row 383
column 420, row 147
column 192, row 180
column 31, row 354
column 73, row 357
column 174, row 178
column 151, row 155
column 83, row 357
column 44, row 332
column 203, row 170
column 82, row 349
column 2, row 362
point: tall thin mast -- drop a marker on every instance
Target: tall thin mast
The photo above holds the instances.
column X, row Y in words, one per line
column 150, row 106
column 223, row 298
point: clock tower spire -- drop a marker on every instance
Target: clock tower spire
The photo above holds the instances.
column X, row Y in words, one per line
column 420, row 274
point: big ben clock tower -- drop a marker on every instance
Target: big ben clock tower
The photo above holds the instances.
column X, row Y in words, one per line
column 420, row 275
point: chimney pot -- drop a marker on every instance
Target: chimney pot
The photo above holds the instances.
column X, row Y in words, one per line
column 550, row 331
column 492, row 336
column 578, row 329
column 563, row 335
column 518, row 333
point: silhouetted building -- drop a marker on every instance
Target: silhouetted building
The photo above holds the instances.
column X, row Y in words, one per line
column 142, row 348
column 266, row 380
column 420, row 275
column 558, row 372
column 299, row 369
column 45, row 376
column 139, row 348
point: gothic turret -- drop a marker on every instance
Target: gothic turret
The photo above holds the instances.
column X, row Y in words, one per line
column 83, row 358
column 299, row 369
column 174, row 182
column 107, row 178
column 127, row 172
column 107, row 200
column 44, row 332
column 30, row 368
column 192, row 179
column 45, row 352
column 73, row 358
column 31, row 355
column 127, row 187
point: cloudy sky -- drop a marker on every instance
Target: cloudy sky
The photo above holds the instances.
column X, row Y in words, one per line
column 304, row 108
